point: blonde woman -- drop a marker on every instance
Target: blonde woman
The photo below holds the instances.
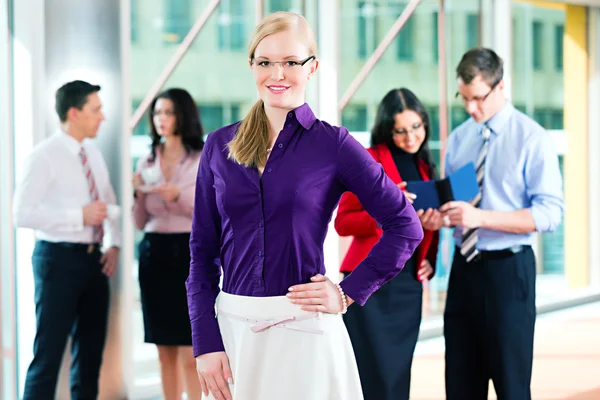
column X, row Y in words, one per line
column 265, row 193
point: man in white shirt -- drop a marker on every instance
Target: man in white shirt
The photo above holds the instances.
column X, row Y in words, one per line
column 65, row 195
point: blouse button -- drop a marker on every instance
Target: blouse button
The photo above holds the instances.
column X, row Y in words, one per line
column 280, row 145
column 290, row 115
column 269, row 170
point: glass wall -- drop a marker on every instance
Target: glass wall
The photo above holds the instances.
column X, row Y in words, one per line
column 538, row 91
column 411, row 61
column 215, row 72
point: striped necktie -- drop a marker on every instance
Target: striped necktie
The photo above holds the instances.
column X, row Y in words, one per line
column 93, row 191
column 468, row 247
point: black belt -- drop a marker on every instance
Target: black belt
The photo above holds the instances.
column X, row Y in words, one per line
column 88, row 247
column 498, row 254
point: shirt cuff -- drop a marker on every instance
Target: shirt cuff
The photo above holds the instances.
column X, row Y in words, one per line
column 206, row 336
column 115, row 242
column 540, row 220
column 360, row 284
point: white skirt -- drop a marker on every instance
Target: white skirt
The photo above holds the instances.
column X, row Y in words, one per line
column 278, row 351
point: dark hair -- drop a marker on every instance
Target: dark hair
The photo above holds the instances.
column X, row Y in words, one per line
column 481, row 61
column 189, row 126
column 73, row 94
column 395, row 102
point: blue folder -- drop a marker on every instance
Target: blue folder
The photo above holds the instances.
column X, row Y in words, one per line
column 461, row 185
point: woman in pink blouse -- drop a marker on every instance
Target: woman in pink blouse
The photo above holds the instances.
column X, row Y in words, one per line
column 164, row 199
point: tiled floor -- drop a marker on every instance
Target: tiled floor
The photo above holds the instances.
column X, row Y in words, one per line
column 566, row 364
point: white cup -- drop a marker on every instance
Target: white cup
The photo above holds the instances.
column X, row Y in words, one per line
column 113, row 211
column 151, row 175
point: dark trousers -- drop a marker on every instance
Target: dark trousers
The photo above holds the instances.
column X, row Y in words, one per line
column 488, row 326
column 71, row 297
column 384, row 334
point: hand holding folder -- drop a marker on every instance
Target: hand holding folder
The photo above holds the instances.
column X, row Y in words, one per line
column 459, row 186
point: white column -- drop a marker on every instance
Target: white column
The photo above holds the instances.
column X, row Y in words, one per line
column 502, row 39
column 8, row 343
column 56, row 41
column 327, row 103
column 488, row 21
column 594, row 143
column 30, row 110
column 126, row 279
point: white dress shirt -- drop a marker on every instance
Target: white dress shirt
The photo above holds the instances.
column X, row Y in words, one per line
column 52, row 191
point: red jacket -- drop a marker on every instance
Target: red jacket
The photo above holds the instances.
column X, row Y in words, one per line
column 353, row 220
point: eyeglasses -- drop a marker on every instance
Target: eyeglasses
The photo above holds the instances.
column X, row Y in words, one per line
column 167, row 113
column 287, row 64
column 413, row 129
column 477, row 99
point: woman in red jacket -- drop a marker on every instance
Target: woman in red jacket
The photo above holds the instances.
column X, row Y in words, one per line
column 384, row 332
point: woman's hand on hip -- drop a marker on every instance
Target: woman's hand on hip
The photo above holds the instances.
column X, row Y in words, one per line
column 214, row 374
column 320, row 295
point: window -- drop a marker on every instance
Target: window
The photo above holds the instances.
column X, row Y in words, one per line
column 215, row 116
column 405, row 41
column 434, row 122
column 559, row 33
column 177, row 21
column 549, row 118
column 557, row 119
column 367, row 29
column 134, row 22
column 434, row 41
column 521, row 107
column 458, row 115
column 280, row 5
column 538, row 32
column 230, row 25
column 354, row 117
column 553, row 243
column 472, row 31
column 142, row 127
column 211, row 116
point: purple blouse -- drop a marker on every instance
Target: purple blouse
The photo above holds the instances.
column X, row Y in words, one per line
column 267, row 233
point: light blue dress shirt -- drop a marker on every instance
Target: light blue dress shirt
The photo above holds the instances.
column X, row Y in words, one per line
column 521, row 171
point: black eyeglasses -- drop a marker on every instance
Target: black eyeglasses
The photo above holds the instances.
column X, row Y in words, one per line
column 413, row 129
column 287, row 64
column 477, row 99
column 168, row 113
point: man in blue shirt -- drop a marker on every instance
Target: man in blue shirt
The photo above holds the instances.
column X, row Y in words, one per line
column 490, row 309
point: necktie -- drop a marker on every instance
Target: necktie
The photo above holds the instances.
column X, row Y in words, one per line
column 468, row 247
column 93, row 191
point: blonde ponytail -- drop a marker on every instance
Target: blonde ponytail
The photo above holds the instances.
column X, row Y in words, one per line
column 250, row 144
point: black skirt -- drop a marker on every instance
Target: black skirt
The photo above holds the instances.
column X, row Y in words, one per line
column 164, row 266
column 384, row 334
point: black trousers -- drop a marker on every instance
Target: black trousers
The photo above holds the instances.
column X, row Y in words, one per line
column 489, row 325
column 71, row 297
column 384, row 334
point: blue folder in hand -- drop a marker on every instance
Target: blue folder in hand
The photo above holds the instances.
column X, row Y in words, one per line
column 459, row 186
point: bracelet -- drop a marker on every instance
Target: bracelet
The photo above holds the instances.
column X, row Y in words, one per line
column 344, row 298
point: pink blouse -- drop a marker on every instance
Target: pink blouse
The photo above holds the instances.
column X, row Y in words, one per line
column 152, row 214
